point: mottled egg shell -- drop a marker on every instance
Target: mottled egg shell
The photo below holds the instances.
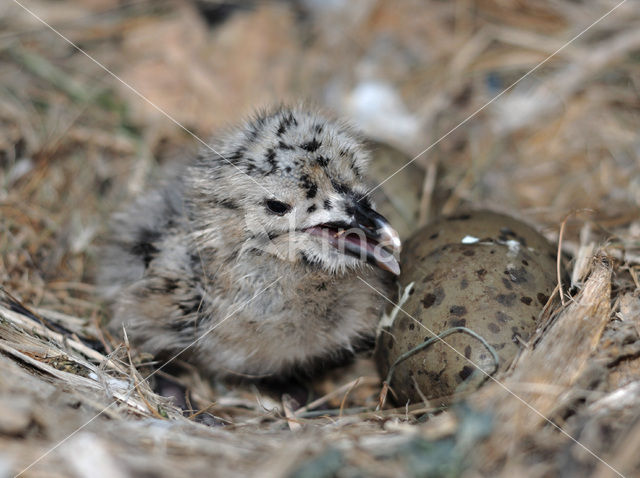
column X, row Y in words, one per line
column 481, row 270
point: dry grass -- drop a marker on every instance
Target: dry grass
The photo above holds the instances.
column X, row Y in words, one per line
column 75, row 145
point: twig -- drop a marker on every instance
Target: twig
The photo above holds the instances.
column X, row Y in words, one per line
column 337, row 391
column 287, row 406
column 29, row 324
column 427, row 193
column 344, row 399
column 559, row 257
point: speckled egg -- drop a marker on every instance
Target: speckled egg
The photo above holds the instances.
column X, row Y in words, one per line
column 486, row 272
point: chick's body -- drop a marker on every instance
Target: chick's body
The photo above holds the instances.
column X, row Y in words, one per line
column 236, row 258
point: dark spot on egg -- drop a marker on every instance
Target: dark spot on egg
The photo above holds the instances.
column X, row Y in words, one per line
column 461, row 217
column 433, row 298
column 502, row 317
column 458, row 323
column 506, row 299
column 458, row 310
column 465, row 372
column 469, row 253
column 481, row 273
column 542, row 298
column 493, row 328
column 427, row 278
column 467, row 351
column 507, row 232
column 517, row 276
column 526, row 300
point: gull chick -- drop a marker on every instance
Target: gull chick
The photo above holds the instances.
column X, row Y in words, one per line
column 258, row 258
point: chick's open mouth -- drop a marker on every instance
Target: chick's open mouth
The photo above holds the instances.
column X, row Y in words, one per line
column 377, row 247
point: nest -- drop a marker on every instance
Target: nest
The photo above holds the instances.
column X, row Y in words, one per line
column 557, row 147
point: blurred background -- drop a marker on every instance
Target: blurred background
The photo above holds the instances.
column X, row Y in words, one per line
column 525, row 107
column 415, row 76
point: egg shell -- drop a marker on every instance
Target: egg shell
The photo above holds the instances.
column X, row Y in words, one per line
column 481, row 270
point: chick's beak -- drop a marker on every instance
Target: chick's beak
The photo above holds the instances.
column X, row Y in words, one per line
column 366, row 235
column 381, row 244
column 376, row 227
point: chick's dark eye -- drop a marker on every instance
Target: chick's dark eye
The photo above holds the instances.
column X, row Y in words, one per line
column 277, row 207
